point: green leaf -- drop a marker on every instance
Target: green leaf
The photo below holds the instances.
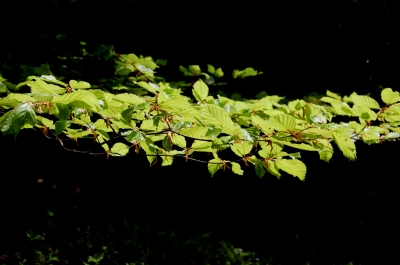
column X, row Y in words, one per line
column 259, row 166
column 166, row 143
column 175, row 105
column 64, row 111
column 13, row 122
column 135, row 135
column 148, row 87
column 200, row 90
column 194, row 69
column 119, row 149
column 179, row 140
column 236, row 168
column 20, row 97
column 365, row 101
column 195, row 132
column 130, row 58
column 40, row 86
column 283, row 122
column 242, row 149
column 79, row 98
column 218, row 73
column 346, row 145
column 130, row 99
column 293, row 167
column 333, row 95
column 272, row 168
column 5, row 121
column 210, row 69
column 79, row 84
column 52, row 79
column 213, row 166
column 214, row 114
column 202, row 146
column 390, row 97
column 261, row 123
column 60, row 126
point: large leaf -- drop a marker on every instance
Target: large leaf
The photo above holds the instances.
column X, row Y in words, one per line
column 175, row 105
column 216, row 115
column 365, row 101
column 148, row 87
column 345, row 144
column 79, row 98
column 13, row 121
column 200, row 90
column 195, row 132
column 293, row 167
column 261, row 123
column 41, row 86
column 283, row 122
column 129, row 98
column 390, row 97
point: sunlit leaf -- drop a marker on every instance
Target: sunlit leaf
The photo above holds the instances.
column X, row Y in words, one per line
column 79, row 84
column 236, row 168
column 200, row 90
column 389, row 96
column 119, row 149
column 293, row 167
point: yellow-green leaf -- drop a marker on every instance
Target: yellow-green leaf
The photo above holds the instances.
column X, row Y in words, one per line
column 390, row 97
column 79, row 84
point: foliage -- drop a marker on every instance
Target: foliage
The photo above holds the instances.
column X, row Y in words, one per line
column 137, row 110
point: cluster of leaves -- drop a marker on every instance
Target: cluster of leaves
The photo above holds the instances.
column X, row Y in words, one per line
column 152, row 117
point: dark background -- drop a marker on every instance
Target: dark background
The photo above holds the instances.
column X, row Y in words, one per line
column 301, row 46
column 344, row 211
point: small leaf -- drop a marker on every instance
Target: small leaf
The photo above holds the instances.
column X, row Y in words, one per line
column 390, row 97
column 166, row 143
column 60, row 126
column 213, row 166
column 200, row 90
column 242, row 149
column 120, row 149
column 218, row 73
column 79, row 84
column 273, row 169
column 259, row 168
column 130, row 58
column 135, row 135
column 194, row 69
column 150, row 88
column 179, row 140
column 210, row 69
column 333, row 95
column 236, row 168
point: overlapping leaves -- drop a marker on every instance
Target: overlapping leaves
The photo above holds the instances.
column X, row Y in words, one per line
column 165, row 124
